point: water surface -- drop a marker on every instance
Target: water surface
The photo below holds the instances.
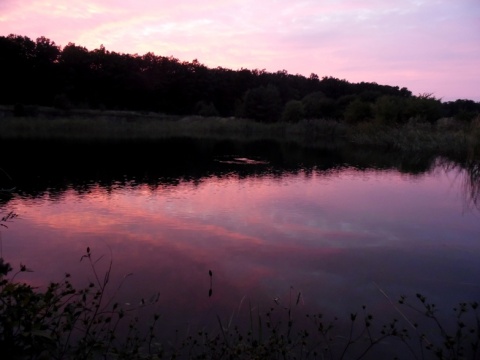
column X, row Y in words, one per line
column 323, row 235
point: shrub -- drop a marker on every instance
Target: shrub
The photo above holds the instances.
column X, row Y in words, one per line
column 389, row 110
column 465, row 115
column 424, row 107
column 311, row 104
column 21, row 110
column 203, row 108
column 61, row 101
column 293, row 111
column 357, row 111
column 318, row 106
column 62, row 322
column 341, row 104
column 262, row 103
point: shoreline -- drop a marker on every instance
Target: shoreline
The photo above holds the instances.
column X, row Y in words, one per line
column 445, row 136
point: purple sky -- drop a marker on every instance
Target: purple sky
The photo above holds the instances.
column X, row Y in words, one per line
column 428, row 46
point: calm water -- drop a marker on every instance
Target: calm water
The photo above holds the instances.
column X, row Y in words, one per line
column 341, row 231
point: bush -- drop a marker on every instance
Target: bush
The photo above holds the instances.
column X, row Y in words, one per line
column 466, row 116
column 62, row 322
column 357, row 111
column 389, row 110
column 262, row 103
column 203, row 108
column 318, row 106
column 424, row 108
column 61, row 101
column 293, row 111
column 21, row 110
column 311, row 105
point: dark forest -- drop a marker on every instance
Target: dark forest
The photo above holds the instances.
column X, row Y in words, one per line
column 40, row 73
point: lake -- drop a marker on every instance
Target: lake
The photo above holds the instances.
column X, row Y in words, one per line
column 314, row 230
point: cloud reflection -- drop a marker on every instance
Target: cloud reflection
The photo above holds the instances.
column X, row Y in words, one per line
column 331, row 237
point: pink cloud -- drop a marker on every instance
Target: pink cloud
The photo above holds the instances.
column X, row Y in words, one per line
column 427, row 46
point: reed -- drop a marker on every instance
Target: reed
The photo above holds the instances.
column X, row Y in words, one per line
column 443, row 137
column 415, row 137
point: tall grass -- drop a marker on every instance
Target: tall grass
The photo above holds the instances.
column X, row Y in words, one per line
column 415, row 137
column 445, row 136
column 125, row 127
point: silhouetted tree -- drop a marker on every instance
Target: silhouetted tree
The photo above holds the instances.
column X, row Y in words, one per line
column 16, row 69
column 206, row 109
column 46, row 79
column 262, row 103
column 293, row 111
column 358, row 111
column 318, row 106
column 424, row 107
column 41, row 73
column 462, row 109
column 390, row 109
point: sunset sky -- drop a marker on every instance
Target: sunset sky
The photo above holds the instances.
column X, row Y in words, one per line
column 428, row 46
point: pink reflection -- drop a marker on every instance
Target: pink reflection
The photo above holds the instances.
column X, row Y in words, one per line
column 330, row 236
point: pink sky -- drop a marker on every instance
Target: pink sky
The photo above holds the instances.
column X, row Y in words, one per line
column 428, row 46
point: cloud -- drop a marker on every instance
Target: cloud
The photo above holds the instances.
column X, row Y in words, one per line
column 409, row 43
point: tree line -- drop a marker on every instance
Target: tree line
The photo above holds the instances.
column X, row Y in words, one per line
column 39, row 72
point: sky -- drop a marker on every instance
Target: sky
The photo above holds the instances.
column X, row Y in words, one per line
column 428, row 46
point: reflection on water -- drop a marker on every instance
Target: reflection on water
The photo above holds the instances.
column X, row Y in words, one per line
column 213, row 235
column 471, row 186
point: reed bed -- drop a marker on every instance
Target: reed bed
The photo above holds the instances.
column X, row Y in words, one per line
column 443, row 137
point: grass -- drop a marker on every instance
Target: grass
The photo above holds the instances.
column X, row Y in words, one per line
column 118, row 126
column 446, row 136
column 416, row 137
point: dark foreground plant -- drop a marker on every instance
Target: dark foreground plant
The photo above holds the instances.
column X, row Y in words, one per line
column 66, row 323
column 63, row 322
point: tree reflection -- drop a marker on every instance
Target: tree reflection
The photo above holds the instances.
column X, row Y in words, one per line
column 113, row 165
column 471, row 185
